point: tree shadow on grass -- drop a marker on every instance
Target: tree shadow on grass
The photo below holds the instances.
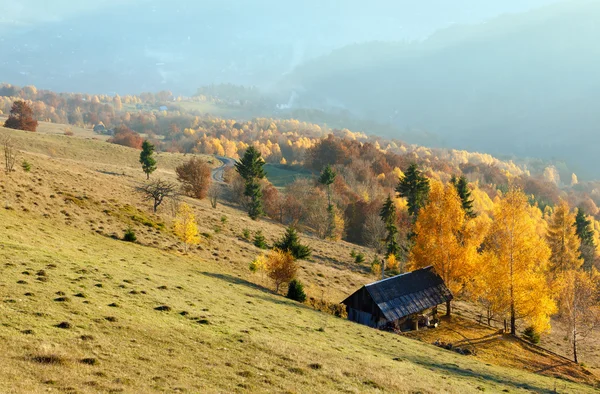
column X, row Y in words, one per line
column 267, row 294
column 505, row 380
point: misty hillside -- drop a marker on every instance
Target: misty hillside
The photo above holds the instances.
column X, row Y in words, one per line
column 521, row 84
column 138, row 45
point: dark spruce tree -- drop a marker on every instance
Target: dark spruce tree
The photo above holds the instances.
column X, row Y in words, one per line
column 296, row 291
column 147, row 158
column 388, row 216
column 587, row 250
column 414, row 186
column 327, row 178
column 462, row 188
column 291, row 243
column 260, row 241
column 250, row 168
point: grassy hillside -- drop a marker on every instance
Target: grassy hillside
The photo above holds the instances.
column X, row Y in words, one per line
column 83, row 312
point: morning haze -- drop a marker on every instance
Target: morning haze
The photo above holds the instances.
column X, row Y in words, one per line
column 300, row 196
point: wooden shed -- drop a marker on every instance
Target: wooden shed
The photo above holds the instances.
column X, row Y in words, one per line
column 403, row 301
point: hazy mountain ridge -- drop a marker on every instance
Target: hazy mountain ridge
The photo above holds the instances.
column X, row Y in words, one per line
column 520, row 84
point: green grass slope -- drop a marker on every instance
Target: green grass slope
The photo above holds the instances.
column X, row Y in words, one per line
column 218, row 333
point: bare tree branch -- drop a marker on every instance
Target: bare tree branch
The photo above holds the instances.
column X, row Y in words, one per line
column 156, row 191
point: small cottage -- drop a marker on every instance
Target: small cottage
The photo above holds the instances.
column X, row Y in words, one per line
column 404, row 302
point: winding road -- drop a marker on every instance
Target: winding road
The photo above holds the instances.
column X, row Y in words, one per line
column 218, row 174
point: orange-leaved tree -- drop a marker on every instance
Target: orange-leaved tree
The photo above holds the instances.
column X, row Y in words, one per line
column 445, row 238
column 515, row 263
column 281, row 267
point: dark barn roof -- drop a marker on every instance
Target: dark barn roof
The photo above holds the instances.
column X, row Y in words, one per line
column 409, row 293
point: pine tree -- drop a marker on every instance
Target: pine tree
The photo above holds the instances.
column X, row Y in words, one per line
column 291, row 243
column 587, row 250
column 260, row 241
column 414, row 186
column 563, row 241
column 250, row 168
column 462, row 188
column 147, row 158
column 327, row 178
column 388, row 216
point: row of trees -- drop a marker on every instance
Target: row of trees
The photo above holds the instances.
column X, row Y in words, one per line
column 516, row 263
column 519, row 262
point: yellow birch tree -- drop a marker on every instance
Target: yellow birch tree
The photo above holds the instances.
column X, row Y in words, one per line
column 445, row 238
column 185, row 226
column 563, row 240
column 515, row 264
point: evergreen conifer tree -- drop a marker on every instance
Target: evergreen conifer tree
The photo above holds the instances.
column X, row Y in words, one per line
column 388, row 216
column 147, row 158
column 414, row 186
column 291, row 243
column 462, row 188
column 587, row 250
column 250, row 168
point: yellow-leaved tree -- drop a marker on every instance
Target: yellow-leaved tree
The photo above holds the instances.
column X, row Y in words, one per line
column 515, row 263
column 578, row 304
column 563, row 240
column 185, row 226
column 446, row 239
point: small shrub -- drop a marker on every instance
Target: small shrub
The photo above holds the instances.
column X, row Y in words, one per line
column 223, row 219
column 246, row 234
column 359, row 258
column 353, row 253
column 217, row 229
column 26, row 166
column 531, row 335
column 296, row 291
column 129, row 235
column 260, row 241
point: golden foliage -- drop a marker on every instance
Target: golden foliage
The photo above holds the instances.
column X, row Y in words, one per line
column 563, row 240
column 281, row 267
column 445, row 239
column 185, row 226
column 512, row 274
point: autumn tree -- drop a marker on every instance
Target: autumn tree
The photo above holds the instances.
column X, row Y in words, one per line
column 250, row 168
column 374, row 232
column 563, row 241
column 147, row 159
column 290, row 242
column 126, row 137
column 21, row 117
column 185, row 226
column 462, row 188
column 445, row 239
column 578, row 305
column 194, row 175
column 214, row 193
column 585, row 232
column 157, row 191
column 281, row 267
column 388, row 216
column 414, row 186
column 519, row 258
column 10, row 153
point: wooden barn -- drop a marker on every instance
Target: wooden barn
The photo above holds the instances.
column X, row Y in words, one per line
column 406, row 301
